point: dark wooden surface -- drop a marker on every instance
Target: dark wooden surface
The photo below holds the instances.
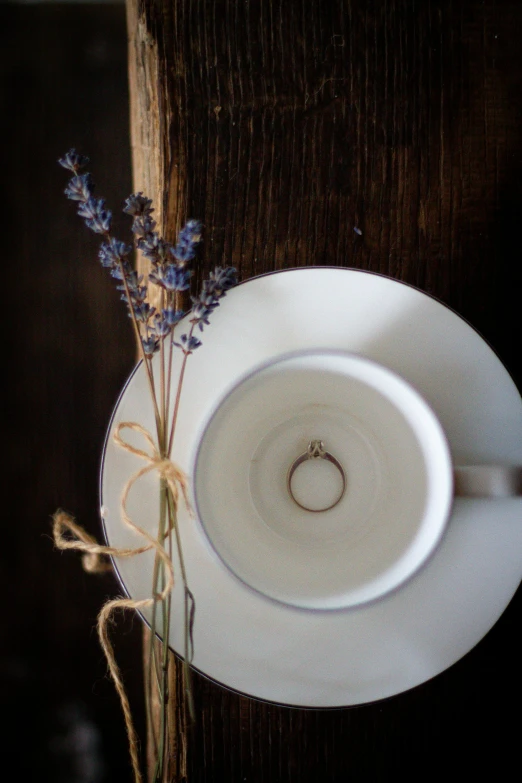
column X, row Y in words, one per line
column 284, row 125
column 63, row 83
column 400, row 119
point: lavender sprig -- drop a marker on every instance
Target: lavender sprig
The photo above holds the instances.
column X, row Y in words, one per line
column 113, row 253
column 168, row 262
column 169, row 271
column 214, row 289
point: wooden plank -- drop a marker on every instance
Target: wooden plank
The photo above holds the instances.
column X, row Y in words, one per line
column 383, row 136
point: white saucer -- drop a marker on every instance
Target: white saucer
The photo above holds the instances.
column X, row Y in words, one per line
column 320, row 658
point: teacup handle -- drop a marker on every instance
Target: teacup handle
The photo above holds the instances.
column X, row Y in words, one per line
column 487, row 481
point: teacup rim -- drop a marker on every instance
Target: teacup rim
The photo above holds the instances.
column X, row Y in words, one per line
column 363, row 359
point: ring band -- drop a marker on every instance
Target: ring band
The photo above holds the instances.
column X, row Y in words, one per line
column 316, row 450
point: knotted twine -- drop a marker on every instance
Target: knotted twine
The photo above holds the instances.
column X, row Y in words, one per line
column 93, row 552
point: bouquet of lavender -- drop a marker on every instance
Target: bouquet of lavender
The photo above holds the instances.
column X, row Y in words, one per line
column 156, row 333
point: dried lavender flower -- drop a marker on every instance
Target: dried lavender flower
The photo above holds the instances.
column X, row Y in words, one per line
column 143, row 225
column 150, row 345
column 189, row 237
column 221, row 280
column 155, row 248
column 142, row 311
column 137, row 205
column 134, row 282
column 73, row 161
column 119, row 271
column 138, row 307
column 218, row 283
column 79, row 188
column 113, row 252
column 189, row 343
column 161, row 326
column 172, row 316
column 97, row 218
column 171, row 278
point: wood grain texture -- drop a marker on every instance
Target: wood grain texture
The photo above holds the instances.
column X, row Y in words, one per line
column 285, row 126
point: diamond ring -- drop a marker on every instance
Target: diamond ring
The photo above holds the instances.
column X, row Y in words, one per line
column 315, row 450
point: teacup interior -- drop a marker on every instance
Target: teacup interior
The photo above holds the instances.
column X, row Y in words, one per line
column 398, row 480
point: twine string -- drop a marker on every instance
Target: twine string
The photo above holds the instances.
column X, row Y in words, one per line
column 93, row 554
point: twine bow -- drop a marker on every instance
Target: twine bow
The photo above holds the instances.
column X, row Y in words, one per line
column 93, row 553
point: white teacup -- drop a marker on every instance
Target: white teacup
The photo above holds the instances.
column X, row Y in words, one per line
column 324, row 480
